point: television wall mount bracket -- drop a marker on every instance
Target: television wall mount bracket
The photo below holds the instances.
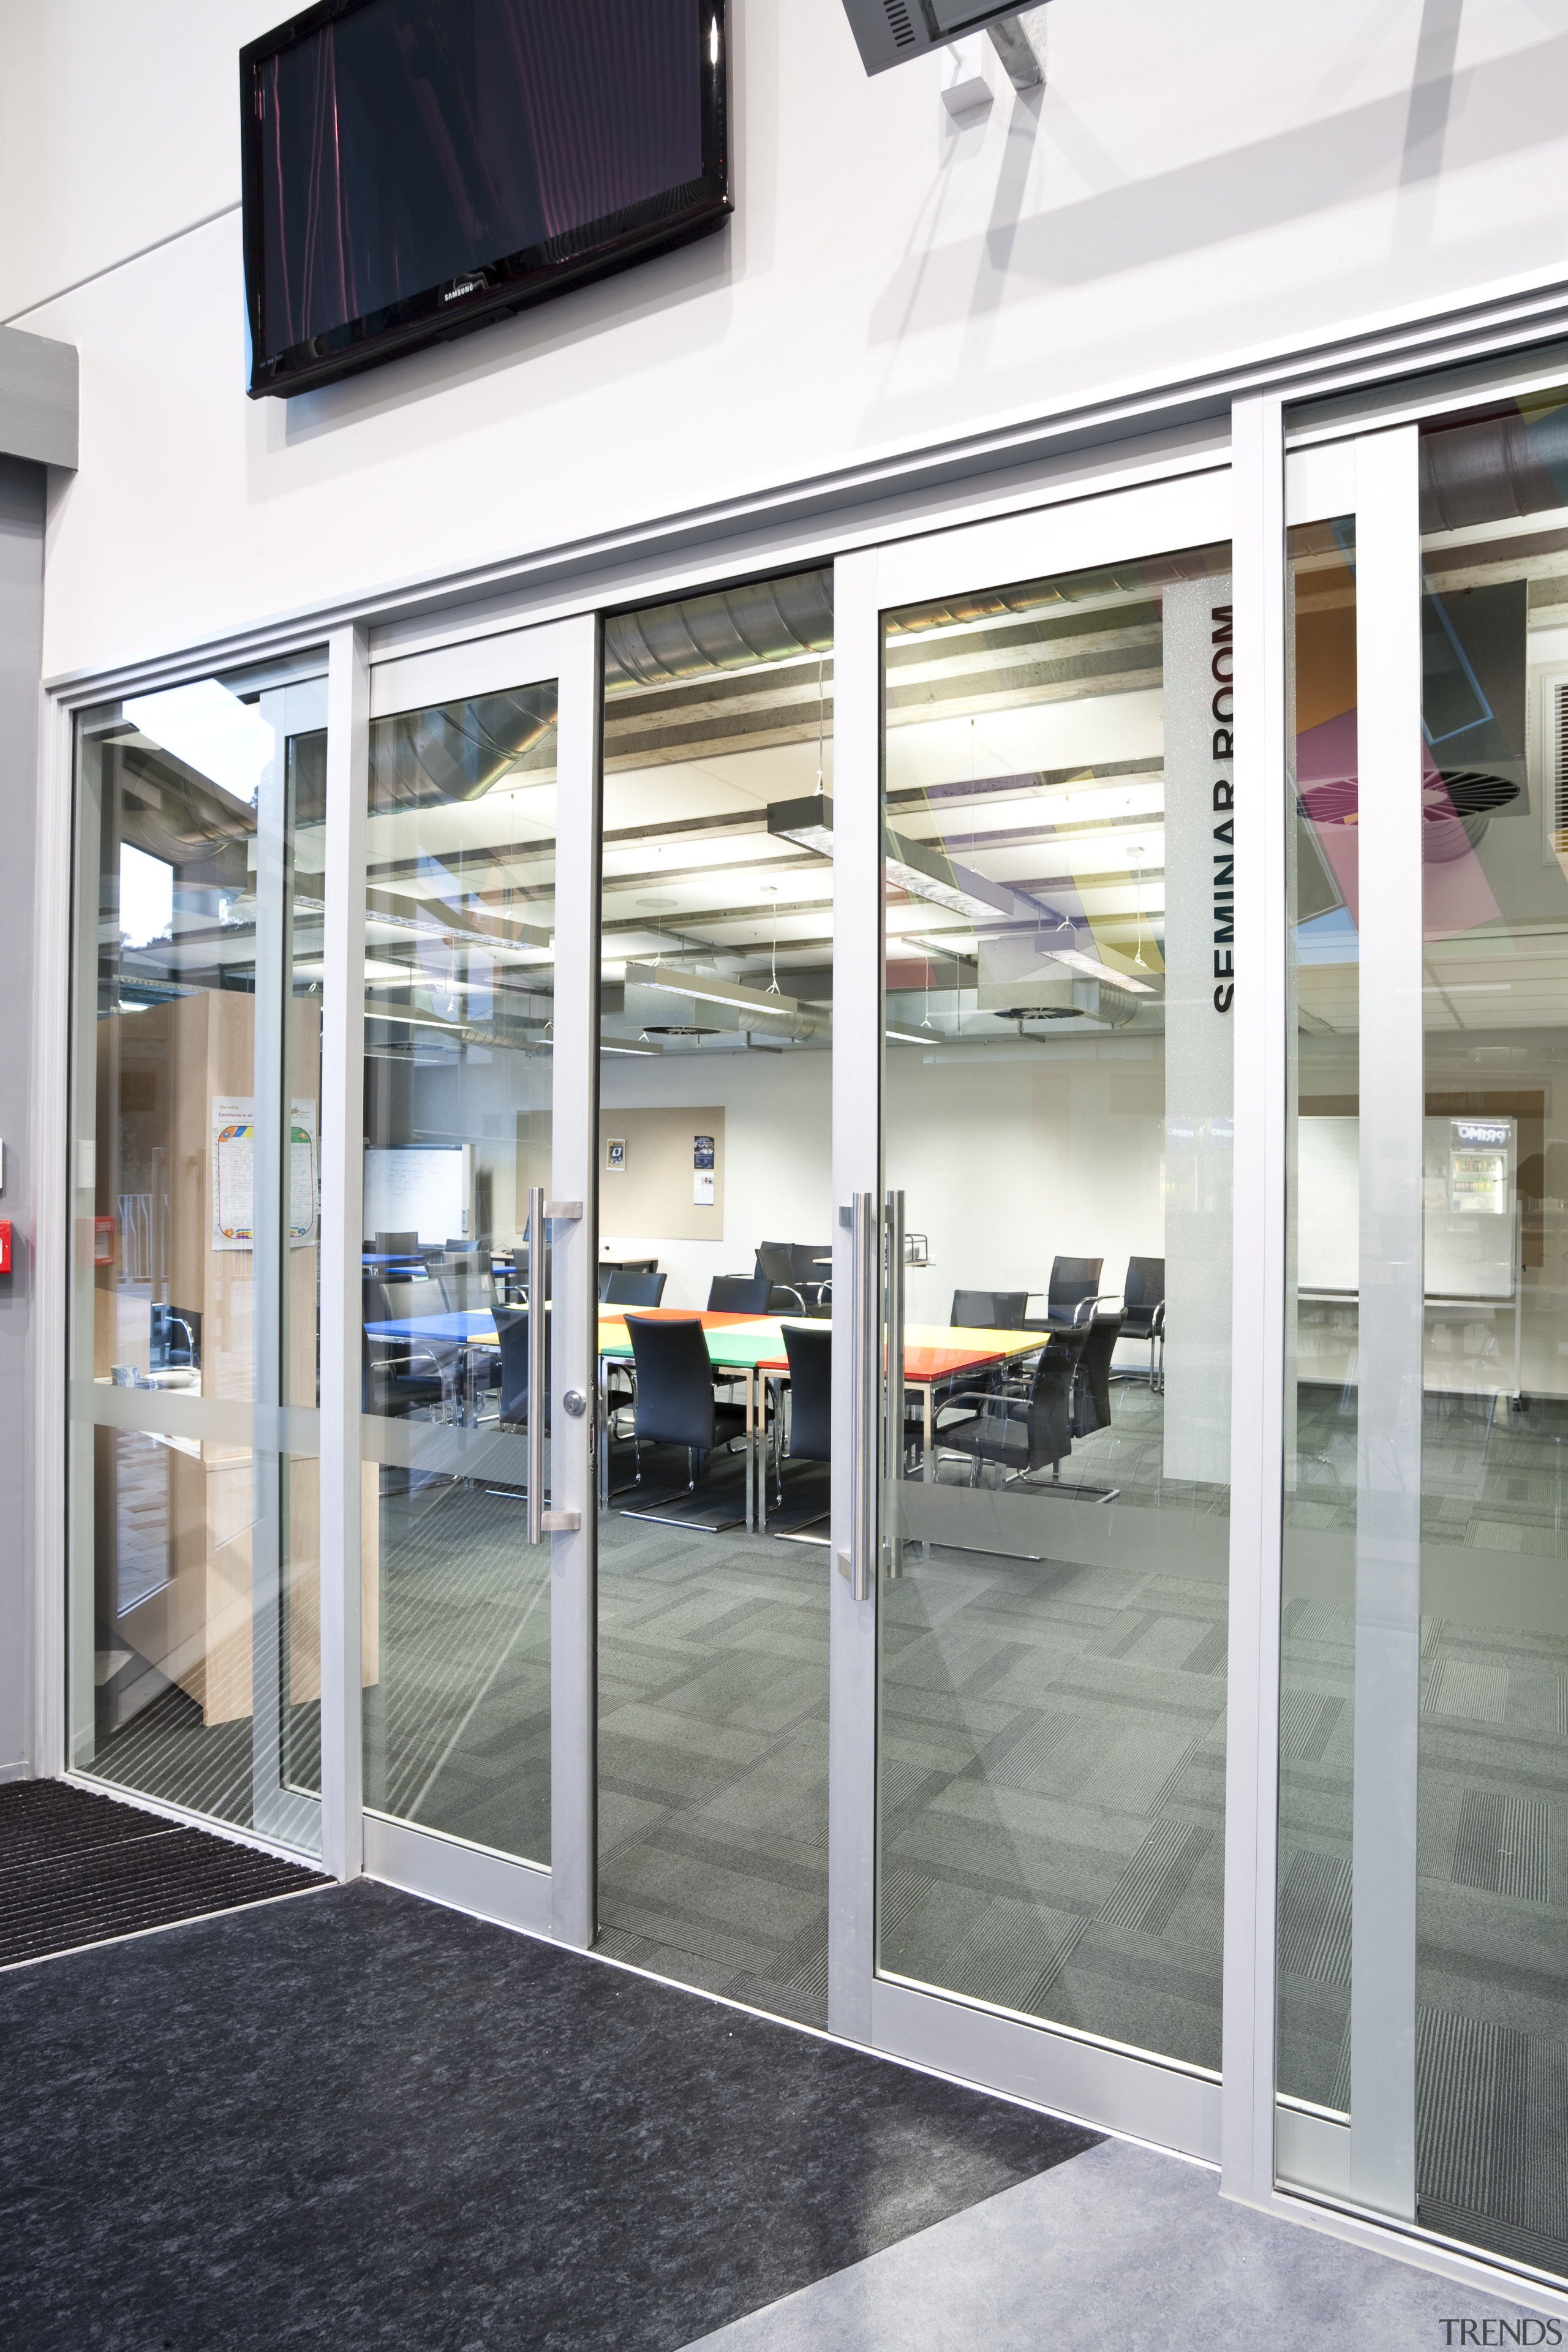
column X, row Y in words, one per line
column 895, row 32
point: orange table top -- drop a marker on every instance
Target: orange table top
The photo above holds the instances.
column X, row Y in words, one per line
column 934, row 1351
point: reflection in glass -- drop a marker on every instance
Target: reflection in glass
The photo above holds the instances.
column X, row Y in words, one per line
column 459, row 998
column 1491, row 2042
column 194, row 1617
column 715, row 1202
column 1059, row 863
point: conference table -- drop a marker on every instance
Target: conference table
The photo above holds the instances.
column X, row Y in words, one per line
column 937, row 1357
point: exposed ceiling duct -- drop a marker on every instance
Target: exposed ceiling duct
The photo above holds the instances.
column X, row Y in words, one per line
column 791, row 619
column 456, row 751
column 764, row 621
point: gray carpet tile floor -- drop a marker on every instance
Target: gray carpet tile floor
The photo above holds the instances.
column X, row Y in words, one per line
column 362, row 2120
column 1492, row 1812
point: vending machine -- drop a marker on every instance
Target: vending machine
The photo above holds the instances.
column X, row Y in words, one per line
column 1468, row 1176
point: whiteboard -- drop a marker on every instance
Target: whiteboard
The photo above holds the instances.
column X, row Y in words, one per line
column 421, row 1189
column 1464, row 1256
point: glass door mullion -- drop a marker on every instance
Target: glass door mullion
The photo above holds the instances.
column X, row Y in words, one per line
column 269, row 1129
column 344, row 1502
column 574, row 1416
column 856, row 1169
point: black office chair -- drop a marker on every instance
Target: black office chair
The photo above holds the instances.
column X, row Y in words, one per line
column 635, row 1290
column 677, row 1404
column 511, row 1376
column 1143, row 1300
column 809, row 1346
column 1074, row 1281
column 811, row 1265
column 401, row 1376
column 1021, row 1435
column 1091, row 1403
column 775, row 1263
column 397, row 1245
column 989, row 1311
column 738, row 1293
column 810, row 1354
column 512, row 1330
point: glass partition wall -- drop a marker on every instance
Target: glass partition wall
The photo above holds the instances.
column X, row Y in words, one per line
column 1059, row 855
column 715, row 1223
column 1056, row 881
column 1423, row 2053
column 194, row 1629
column 458, row 1004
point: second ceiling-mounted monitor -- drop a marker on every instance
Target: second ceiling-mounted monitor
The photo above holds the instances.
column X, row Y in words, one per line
column 892, row 32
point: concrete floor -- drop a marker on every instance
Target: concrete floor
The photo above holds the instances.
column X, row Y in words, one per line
column 1122, row 2247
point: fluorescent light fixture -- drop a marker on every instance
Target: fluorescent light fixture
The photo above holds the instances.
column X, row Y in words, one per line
column 923, row 871
column 808, row 822
column 912, row 1036
column 926, row 872
column 1077, row 961
column 709, row 988
column 628, row 1045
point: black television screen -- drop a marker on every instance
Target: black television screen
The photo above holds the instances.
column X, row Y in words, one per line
column 414, row 167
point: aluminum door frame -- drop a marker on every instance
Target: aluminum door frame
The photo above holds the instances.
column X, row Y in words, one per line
column 557, row 1901
column 1177, row 2107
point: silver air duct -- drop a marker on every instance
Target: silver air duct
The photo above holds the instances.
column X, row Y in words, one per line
column 456, row 751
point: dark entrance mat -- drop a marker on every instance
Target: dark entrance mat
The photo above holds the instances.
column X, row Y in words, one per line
column 76, row 1868
column 364, row 2121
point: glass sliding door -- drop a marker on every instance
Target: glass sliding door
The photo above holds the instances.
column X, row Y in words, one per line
column 459, row 1005
column 715, row 1330
column 193, row 1624
column 1425, row 2027
column 1059, row 848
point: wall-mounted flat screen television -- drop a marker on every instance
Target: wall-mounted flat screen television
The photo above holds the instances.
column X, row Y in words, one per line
column 412, row 168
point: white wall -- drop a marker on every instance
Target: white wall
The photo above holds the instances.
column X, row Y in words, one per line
column 1007, row 1157
column 778, row 1157
column 1193, row 184
column 1011, row 1156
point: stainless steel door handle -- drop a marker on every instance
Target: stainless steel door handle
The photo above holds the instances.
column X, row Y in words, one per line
column 893, row 1425
column 859, row 1564
column 537, row 1402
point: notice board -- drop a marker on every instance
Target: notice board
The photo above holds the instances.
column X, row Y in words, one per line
column 673, row 1160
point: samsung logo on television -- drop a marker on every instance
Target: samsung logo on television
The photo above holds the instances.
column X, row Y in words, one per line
column 464, row 286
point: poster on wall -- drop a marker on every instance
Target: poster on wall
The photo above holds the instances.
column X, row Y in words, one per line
column 234, row 1172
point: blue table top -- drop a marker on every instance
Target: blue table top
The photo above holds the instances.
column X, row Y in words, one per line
column 460, row 1324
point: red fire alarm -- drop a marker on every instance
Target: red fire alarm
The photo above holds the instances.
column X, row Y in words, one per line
column 103, row 1241
column 4, row 1244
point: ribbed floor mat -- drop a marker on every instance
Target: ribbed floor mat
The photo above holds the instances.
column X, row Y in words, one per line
column 77, row 1868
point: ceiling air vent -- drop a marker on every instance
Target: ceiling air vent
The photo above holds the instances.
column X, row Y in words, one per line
column 899, row 23
column 1549, row 759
